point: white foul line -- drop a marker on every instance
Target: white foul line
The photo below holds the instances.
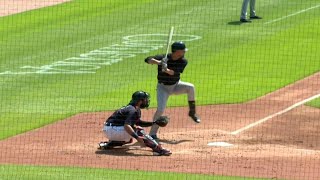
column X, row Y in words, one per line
column 299, row 12
column 274, row 115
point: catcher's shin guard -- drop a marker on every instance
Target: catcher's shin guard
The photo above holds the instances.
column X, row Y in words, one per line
column 148, row 140
column 151, row 143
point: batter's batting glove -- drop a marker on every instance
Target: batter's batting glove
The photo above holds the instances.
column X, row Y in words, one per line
column 164, row 66
column 165, row 59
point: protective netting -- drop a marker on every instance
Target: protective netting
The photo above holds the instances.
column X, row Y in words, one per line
column 239, row 81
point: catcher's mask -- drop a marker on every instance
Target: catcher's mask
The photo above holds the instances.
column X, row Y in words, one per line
column 140, row 95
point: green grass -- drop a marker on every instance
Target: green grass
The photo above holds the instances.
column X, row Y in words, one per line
column 232, row 63
column 315, row 103
column 63, row 173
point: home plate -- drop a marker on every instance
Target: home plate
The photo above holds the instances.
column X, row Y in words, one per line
column 222, row 144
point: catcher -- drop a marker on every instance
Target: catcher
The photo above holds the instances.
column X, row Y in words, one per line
column 125, row 124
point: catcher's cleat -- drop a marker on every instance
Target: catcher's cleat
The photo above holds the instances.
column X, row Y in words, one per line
column 195, row 117
column 104, row 146
column 158, row 151
column 111, row 144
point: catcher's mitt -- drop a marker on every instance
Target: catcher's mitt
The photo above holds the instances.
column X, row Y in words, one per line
column 162, row 121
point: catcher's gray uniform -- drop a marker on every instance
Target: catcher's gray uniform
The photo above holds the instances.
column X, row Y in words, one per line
column 245, row 7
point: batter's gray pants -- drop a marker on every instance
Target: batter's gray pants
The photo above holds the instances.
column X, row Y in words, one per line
column 163, row 93
column 245, row 7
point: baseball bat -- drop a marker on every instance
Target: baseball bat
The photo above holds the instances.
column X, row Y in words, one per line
column 169, row 41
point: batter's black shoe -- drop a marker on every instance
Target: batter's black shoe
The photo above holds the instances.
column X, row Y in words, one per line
column 194, row 117
column 192, row 112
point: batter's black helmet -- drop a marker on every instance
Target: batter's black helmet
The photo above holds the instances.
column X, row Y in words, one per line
column 179, row 45
column 139, row 95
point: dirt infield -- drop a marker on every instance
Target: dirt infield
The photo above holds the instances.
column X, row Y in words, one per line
column 286, row 146
column 8, row 7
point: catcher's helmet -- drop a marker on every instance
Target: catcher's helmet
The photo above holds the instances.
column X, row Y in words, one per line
column 139, row 95
column 179, row 45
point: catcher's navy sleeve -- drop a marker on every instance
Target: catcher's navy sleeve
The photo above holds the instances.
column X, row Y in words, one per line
column 144, row 123
column 133, row 116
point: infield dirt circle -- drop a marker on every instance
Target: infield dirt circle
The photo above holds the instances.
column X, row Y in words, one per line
column 286, row 146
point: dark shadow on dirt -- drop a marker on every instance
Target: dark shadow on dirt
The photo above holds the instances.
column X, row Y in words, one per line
column 122, row 152
column 165, row 141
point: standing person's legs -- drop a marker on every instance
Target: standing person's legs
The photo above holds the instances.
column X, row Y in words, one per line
column 185, row 88
column 188, row 88
column 162, row 99
column 252, row 8
column 244, row 9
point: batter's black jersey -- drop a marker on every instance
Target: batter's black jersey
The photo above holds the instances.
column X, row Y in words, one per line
column 125, row 115
column 176, row 65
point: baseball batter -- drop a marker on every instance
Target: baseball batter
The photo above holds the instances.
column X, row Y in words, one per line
column 169, row 82
column 125, row 124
